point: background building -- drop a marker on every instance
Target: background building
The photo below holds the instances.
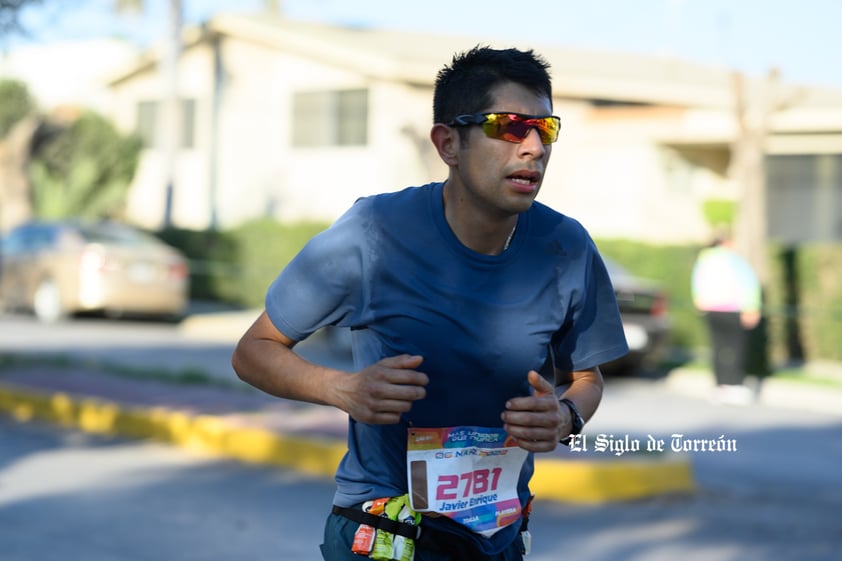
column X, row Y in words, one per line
column 296, row 120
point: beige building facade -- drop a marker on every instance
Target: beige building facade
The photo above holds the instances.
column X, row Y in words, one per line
column 296, row 121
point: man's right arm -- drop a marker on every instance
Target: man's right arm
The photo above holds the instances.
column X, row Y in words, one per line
column 378, row 394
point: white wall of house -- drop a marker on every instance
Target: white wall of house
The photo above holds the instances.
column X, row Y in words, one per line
column 258, row 170
column 613, row 174
column 630, row 171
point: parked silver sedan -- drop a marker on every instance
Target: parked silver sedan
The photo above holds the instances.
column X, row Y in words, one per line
column 58, row 268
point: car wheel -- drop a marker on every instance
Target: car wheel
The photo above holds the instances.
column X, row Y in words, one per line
column 47, row 303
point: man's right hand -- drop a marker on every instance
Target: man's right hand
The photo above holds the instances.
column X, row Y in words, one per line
column 380, row 393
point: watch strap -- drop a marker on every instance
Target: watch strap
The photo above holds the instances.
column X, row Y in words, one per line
column 576, row 420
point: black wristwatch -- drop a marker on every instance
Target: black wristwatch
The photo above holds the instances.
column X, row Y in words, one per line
column 576, row 418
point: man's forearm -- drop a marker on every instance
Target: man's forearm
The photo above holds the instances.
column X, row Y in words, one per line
column 264, row 359
column 584, row 388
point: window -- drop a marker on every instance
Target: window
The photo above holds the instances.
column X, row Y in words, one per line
column 330, row 118
column 29, row 238
column 147, row 122
column 804, row 186
column 188, row 123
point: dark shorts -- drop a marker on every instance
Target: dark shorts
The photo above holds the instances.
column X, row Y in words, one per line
column 339, row 534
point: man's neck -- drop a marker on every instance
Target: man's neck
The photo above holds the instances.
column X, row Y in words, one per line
column 475, row 230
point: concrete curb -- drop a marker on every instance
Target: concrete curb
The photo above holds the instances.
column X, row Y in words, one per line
column 584, row 481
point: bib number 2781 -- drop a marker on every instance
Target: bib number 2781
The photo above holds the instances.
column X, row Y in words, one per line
column 469, row 474
column 473, row 482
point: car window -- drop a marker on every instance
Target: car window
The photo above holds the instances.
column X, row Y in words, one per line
column 28, row 239
column 42, row 237
column 13, row 243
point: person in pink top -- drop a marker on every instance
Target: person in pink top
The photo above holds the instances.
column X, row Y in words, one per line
column 727, row 291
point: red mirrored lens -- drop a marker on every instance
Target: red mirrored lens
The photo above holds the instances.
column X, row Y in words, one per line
column 512, row 127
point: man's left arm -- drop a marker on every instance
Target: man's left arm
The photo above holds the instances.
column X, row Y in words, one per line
column 583, row 387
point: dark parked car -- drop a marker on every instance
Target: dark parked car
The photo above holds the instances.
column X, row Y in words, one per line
column 63, row 267
column 645, row 314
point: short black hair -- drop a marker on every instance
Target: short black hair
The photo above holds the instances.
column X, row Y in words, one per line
column 465, row 86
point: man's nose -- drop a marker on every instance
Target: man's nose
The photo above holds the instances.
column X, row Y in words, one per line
column 532, row 143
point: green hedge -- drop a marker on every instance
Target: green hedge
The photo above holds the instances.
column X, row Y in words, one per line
column 817, row 310
column 802, row 300
column 236, row 266
column 213, row 256
column 264, row 247
column 670, row 268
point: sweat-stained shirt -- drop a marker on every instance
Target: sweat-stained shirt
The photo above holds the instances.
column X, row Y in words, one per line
column 392, row 270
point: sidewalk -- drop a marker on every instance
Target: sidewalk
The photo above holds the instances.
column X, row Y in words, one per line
column 819, row 389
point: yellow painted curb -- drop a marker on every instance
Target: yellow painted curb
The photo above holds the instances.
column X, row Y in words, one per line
column 197, row 432
column 578, row 481
column 597, row 481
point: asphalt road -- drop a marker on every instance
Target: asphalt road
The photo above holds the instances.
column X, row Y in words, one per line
column 69, row 495
column 66, row 495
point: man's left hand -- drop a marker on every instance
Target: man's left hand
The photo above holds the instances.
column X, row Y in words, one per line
column 536, row 421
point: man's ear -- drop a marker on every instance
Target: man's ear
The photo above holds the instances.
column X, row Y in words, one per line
column 446, row 141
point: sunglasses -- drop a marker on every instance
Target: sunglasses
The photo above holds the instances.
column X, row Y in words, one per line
column 512, row 127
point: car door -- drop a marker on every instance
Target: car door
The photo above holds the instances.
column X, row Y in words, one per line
column 35, row 259
column 17, row 259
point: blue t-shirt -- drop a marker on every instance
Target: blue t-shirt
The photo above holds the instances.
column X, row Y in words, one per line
column 392, row 270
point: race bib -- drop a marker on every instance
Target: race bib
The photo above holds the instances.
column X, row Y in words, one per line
column 469, row 474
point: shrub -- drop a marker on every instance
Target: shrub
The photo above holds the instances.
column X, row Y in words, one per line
column 83, row 169
column 212, row 255
column 236, row 266
column 15, row 103
column 670, row 267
